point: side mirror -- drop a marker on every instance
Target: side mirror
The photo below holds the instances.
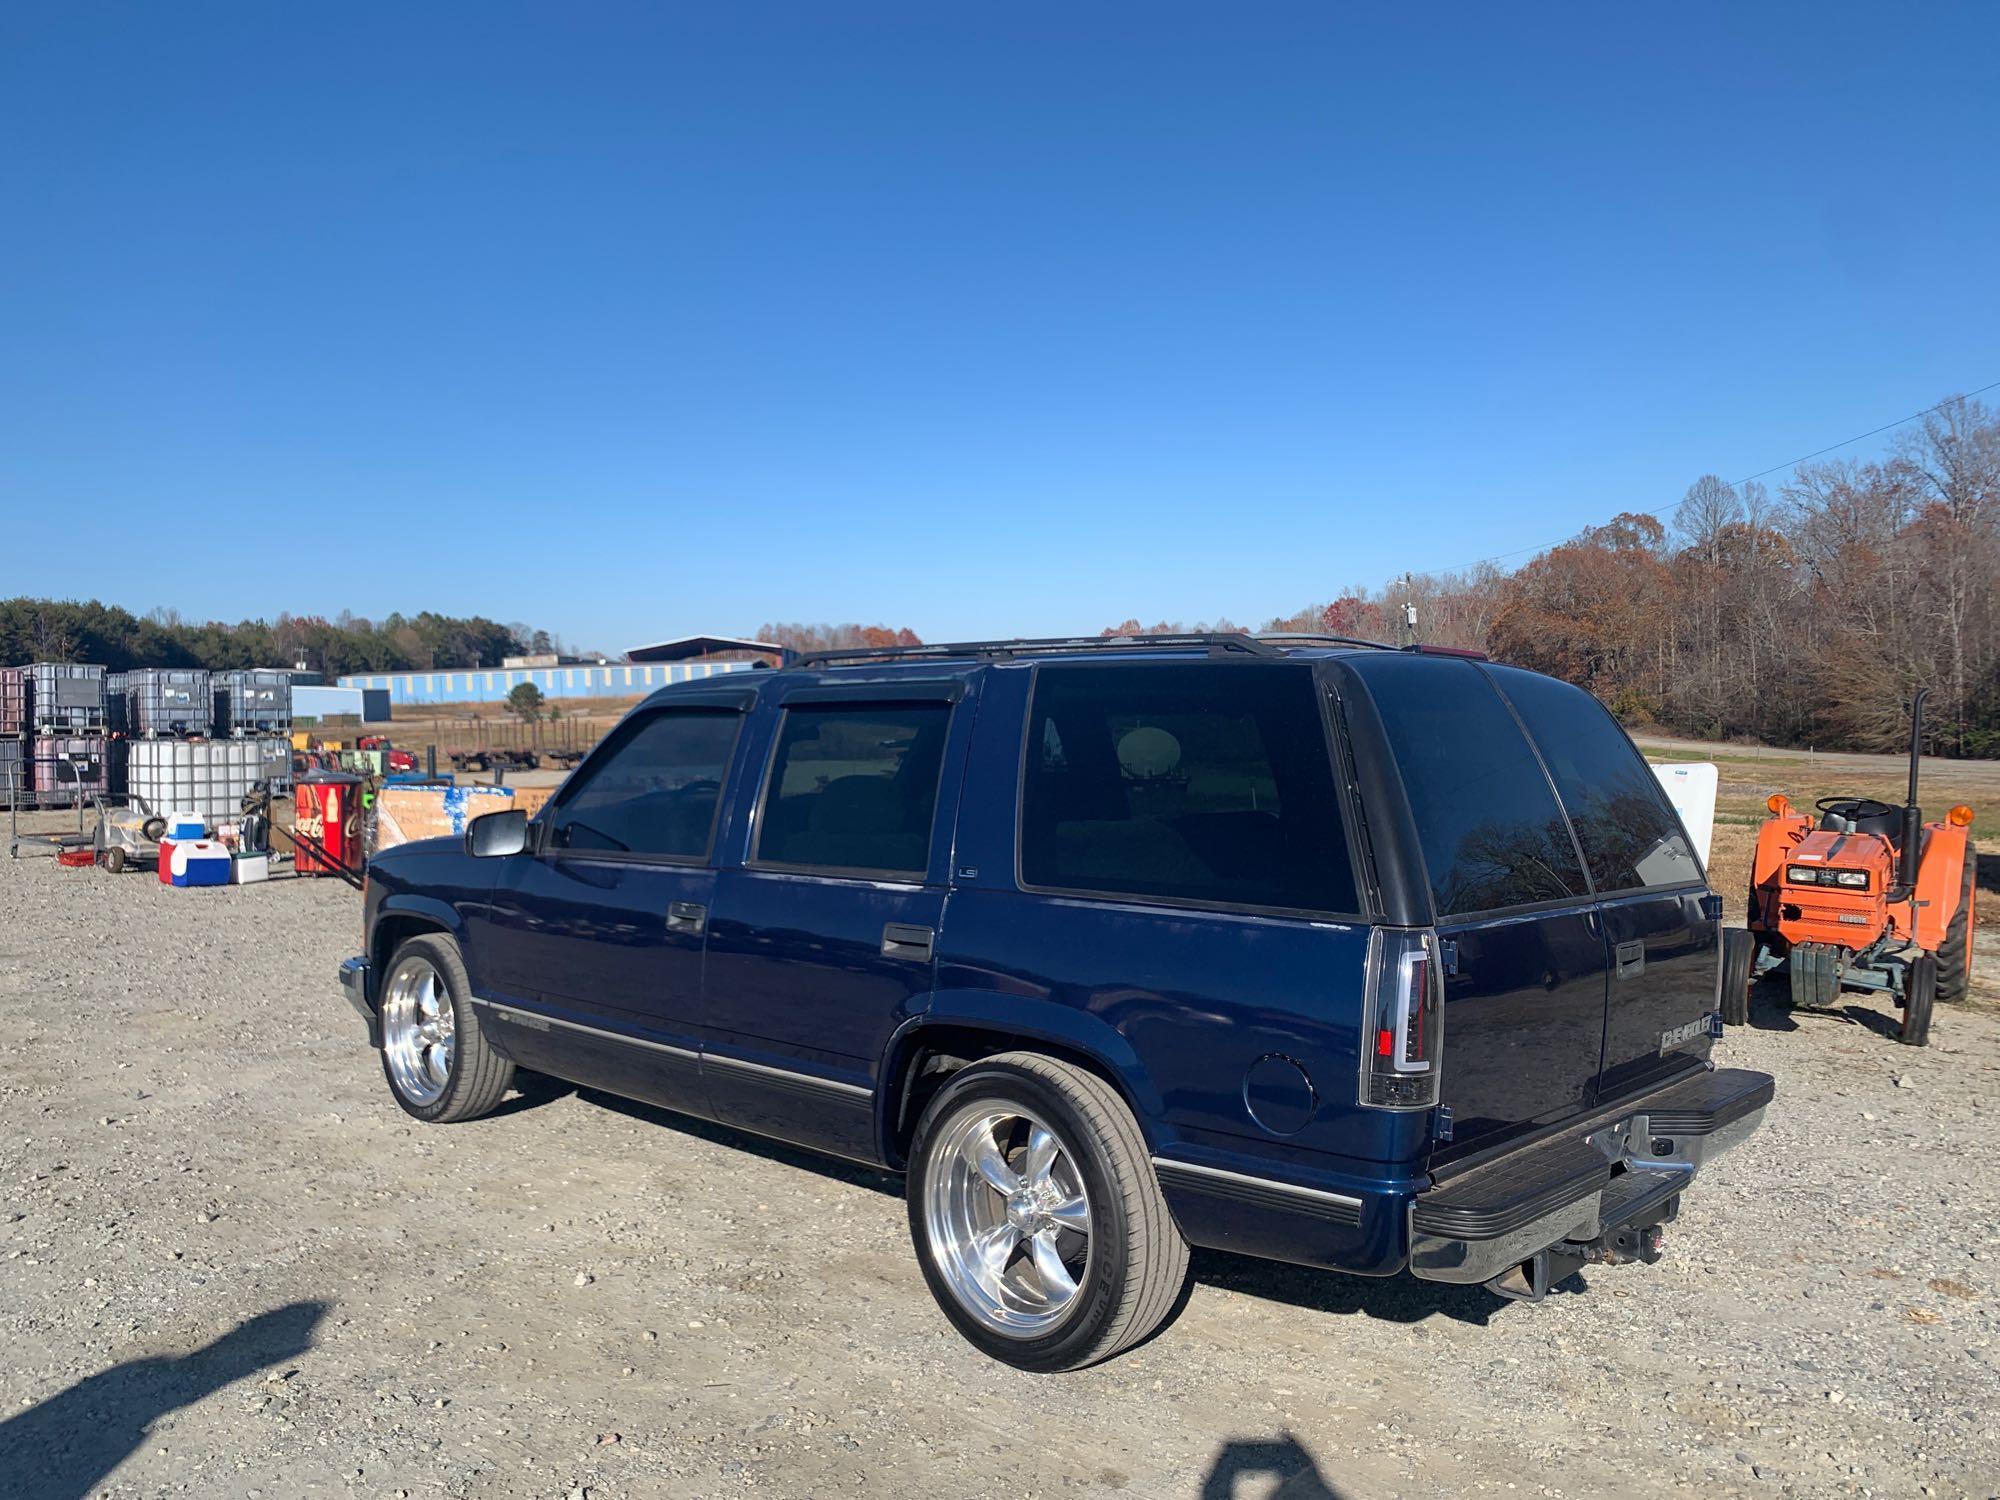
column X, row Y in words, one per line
column 497, row 833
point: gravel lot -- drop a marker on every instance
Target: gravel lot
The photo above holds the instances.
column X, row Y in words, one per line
column 233, row 1268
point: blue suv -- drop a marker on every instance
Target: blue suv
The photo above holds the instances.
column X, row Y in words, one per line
column 1371, row 959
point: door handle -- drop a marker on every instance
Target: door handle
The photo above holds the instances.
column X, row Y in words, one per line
column 686, row 916
column 902, row 940
column 1631, row 958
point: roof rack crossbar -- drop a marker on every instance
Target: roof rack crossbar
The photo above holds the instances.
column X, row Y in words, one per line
column 1218, row 643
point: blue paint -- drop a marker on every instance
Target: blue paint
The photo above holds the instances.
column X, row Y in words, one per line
column 619, row 680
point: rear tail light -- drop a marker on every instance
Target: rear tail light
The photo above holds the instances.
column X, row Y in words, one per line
column 1403, row 1021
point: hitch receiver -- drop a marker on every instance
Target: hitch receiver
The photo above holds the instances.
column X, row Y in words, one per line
column 1531, row 1279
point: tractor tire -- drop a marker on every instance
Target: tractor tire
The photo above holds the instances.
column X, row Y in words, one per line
column 1739, row 948
column 1954, row 954
column 1815, row 972
column 1920, row 989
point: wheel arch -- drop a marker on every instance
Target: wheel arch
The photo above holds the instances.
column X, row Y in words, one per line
column 960, row 1029
column 402, row 918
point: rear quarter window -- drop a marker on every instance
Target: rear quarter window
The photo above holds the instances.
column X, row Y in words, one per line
column 1209, row 784
column 1630, row 836
column 1492, row 833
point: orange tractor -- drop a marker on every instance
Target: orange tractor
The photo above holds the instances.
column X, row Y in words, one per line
column 1870, row 898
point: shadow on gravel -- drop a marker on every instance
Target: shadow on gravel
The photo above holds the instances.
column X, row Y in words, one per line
column 848, row 1172
column 1398, row 1299
column 60, row 1448
column 1767, row 1011
column 1770, row 1012
column 1393, row 1299
column 531, row 1090
column 1259, row 1462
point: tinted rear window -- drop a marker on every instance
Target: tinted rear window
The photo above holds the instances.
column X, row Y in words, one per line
column 1492, row 833
column 1204, row 783
column 1631, row 839
column 855, row 788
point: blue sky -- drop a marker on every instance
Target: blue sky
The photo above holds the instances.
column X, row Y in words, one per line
column 629, row 320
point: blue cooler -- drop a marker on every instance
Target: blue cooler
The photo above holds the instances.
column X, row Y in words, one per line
column 202, row 862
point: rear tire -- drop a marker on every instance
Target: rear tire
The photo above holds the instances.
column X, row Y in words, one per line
column 1739, row 947
column 1088, row 1207
column 439, row 1065
column 1920, row 989
column 1954, row 954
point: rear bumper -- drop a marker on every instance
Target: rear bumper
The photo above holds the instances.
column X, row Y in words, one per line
column 1614, row 1171
column 357, row 983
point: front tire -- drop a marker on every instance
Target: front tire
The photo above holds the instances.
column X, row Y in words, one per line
column 1037, row 1218
column 438, row 1062
column 1919, row 990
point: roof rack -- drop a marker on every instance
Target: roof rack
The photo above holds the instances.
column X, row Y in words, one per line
column 1221, row 643
column 1270, row 643
column 1415, row 648
column 1315, row 638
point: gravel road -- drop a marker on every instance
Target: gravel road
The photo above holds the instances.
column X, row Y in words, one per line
column 233, row 1268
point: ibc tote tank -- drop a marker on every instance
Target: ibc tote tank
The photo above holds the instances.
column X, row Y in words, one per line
column 169, row 700
column 206, row 777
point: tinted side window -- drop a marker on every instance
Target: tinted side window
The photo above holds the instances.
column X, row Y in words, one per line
column 1206, row 783
column 1622, row 818
column 854, row 788
column 657, row 790
column 1493, row 835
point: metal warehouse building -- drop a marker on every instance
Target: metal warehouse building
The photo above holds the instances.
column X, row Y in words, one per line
column 491, row 685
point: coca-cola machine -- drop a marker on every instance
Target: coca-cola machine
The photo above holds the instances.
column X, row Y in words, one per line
column 326, row 811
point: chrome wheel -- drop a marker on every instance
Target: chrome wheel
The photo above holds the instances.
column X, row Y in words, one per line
column 1007, row 1218
column 417, row 1028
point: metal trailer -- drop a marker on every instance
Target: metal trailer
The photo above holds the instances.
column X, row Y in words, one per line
column 169, row 702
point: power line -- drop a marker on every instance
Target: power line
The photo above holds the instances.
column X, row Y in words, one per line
column 1748, row 478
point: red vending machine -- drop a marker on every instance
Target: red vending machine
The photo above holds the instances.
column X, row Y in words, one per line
column 326, row 811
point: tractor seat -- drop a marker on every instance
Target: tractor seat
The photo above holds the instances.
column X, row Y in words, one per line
column 1888, row 824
